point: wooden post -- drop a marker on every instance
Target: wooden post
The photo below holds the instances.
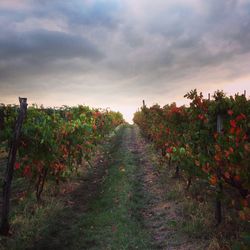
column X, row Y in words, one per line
column 4, row 230
column 245, row 93
column 209, row 96
column 143, row 103
column 218, row 206
column 219, row 124
column 1, row 116
column 177, row 170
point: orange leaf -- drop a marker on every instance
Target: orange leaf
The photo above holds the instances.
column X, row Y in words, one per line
column 217, row 147
column 237, row 178
column 242, row 215
column 213, row 180
column 217, row 157
column 197, row 163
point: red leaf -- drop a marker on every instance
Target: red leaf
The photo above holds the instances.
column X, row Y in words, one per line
column 241, row 117
column 233, row 123
column 27, row 171
column 201, row 117
column 17, row 165
column 169, row 150
column 238, row 131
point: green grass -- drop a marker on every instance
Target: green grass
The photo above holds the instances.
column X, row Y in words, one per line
column 111, row 223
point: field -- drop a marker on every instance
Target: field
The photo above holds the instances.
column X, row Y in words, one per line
column 85, row 179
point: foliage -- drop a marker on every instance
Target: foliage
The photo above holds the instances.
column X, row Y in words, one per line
column 54, row 141
column 209, row 139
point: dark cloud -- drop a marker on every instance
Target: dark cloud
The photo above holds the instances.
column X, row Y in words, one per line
column 40, row 50
column 179, row 38
column 124, row 46
column 44, row 45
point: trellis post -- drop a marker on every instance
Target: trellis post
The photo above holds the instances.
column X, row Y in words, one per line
column 4, row 230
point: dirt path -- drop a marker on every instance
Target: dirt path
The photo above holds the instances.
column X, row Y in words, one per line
column 159, row 214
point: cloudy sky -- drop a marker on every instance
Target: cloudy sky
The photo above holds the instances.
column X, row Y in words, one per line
column 115, row 53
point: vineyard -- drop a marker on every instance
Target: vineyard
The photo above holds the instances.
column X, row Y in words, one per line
column 206, row 141
column 123, row 186
column 52, row 144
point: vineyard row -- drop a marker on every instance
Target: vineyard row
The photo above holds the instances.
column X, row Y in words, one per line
column 208, row 140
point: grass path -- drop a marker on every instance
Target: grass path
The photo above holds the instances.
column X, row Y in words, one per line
column 112, row 221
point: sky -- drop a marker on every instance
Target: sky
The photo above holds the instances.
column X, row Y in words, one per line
column 115, row 53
